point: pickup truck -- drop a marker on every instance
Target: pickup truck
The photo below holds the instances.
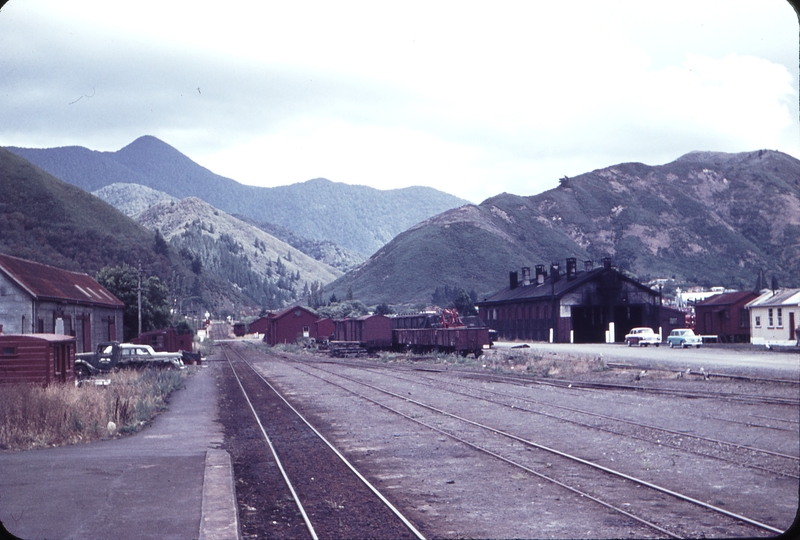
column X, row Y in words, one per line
column 115, row 355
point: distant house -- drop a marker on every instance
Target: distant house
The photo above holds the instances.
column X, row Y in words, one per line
column 774, row 317
column 725, row 316
column 37, row 298
column 593, row 305
column 290, row 325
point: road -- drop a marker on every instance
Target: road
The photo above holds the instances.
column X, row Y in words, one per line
column 730, row 359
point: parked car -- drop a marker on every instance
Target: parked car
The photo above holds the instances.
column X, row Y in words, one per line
column 685, row 337
column 642, row 336
column 114, row 355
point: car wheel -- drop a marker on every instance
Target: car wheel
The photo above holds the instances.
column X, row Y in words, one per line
column 657, row 344
column 698, row 346
column 81, row 372
column 683, row 345
column 630, row 343
column 671, row 345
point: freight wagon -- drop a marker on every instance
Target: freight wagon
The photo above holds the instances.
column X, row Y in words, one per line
column 418, row 332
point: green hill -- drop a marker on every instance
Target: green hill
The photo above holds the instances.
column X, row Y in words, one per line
column 706, row 219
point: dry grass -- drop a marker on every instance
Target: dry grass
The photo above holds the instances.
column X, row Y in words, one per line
column 540, row 363
column 32, row 416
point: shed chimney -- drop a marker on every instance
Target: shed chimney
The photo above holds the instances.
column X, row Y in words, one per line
column 513, row 280
column 607, row 263
column 526, row 276
column 588, row 265
column 572, row 267
column 540, row 274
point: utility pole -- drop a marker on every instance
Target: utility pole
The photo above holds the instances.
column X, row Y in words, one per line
column 139, row 291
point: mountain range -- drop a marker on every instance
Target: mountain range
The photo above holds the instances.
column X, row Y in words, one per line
column 359, row 218
column 707, row 219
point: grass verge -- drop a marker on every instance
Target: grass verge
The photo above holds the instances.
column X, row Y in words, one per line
column 32, row 416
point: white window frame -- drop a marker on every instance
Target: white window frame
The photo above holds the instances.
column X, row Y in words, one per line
column 758, row 321
column 770, row 318
column 780, row 317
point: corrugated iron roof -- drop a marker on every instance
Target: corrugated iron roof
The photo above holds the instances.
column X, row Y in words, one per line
column 781, row 297
column 45, row 282
column 727, row 299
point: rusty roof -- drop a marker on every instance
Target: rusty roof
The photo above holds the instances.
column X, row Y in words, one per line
column 728, row 299
column 45, row 282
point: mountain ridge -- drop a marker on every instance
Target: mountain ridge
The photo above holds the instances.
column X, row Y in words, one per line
column 707, row 218
column 359, row 218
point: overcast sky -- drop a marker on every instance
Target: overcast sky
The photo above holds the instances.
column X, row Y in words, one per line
column 472, row 98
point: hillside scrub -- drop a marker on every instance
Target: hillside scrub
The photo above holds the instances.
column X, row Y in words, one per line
column 33, row 416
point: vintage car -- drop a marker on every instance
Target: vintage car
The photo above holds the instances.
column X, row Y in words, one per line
column 685, row 337
column 642, row 336
column 114, row 355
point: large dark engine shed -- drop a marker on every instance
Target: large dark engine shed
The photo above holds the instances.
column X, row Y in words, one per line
column 594, row 305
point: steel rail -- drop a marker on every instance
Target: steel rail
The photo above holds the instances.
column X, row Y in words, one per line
column 622, row 420
column 566, row 383
column 577, row 459
column 350, row 466
column 286, row 479
column 500, row 457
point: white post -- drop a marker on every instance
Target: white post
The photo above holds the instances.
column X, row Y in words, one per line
column 551, row 335
column 611, row 332
column 572, row 336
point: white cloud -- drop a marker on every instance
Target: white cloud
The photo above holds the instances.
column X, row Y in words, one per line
column 470, row 98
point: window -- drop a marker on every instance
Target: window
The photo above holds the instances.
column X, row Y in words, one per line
column 9, row 351
column 758, row 321
column 770, row 320
column 780, row 317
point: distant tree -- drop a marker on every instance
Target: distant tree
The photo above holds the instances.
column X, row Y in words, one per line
column 161, row 247
column 384, row 309
column 123, row 282
column 333, row 299
column 465, row 304
column 183, row 327
column 197, row 266
column 349, row 293
column 342, row 310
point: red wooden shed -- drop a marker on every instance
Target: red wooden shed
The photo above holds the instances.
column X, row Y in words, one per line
column 37, row 358
column 724, row 315
column 290, row 325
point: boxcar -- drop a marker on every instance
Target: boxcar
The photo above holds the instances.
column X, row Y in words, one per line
column 37, row 358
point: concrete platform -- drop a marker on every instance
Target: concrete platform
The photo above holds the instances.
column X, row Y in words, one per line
column 170, row 481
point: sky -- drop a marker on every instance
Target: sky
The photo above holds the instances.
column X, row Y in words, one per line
column 471, row 98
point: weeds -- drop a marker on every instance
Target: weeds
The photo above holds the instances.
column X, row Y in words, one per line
column 32, row 416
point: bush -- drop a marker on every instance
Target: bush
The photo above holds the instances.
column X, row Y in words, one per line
column 32, row 416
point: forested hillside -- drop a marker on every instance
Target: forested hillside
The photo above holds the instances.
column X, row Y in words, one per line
column 705, row 219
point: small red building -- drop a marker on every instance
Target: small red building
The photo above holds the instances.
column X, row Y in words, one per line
column 725, row 316
column 37, row 358
column 290, row 325
column 166, row 340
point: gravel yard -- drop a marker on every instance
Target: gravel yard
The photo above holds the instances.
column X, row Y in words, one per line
column 427, row 463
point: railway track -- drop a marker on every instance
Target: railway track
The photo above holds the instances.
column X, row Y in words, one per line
column 661, row 509
column 739, row 454
column 332, row 497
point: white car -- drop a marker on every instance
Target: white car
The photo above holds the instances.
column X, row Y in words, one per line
column 642, row 336
column 685, row 337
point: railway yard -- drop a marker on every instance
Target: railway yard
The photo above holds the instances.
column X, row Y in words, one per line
column 369, row 448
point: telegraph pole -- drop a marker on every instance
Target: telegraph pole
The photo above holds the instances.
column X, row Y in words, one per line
column 139, row 291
